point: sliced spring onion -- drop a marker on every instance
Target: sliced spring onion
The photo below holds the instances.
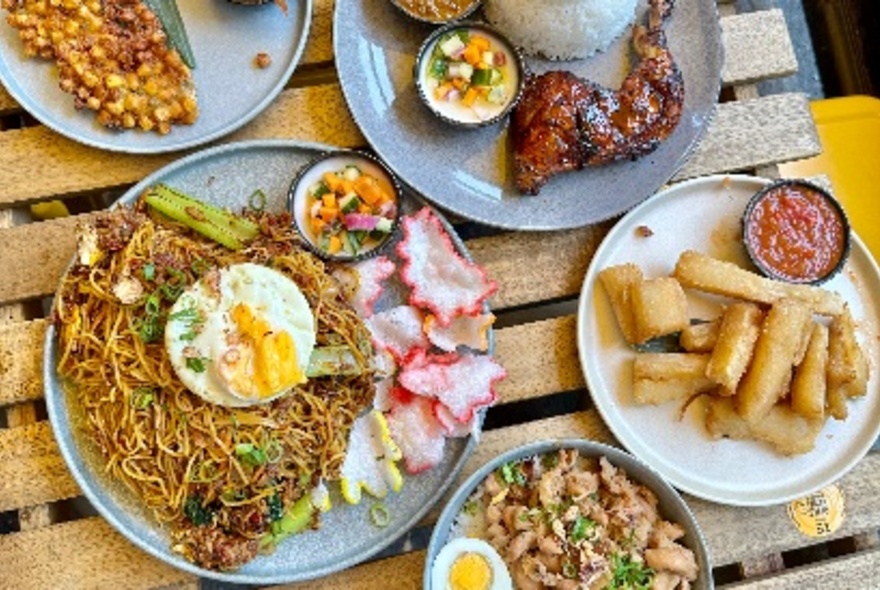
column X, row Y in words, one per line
column 142, row 397
column 196, row 364
column 212, row 222
column 257, row 200
column 379, row 515
column 172, row 23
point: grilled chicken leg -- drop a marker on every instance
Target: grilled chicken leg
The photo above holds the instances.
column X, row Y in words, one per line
column 565, row 123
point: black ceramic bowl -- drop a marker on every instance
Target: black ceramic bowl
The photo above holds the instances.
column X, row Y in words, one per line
column 487, row 109
column 302, row 203
column 797, row 232
column 447, row 12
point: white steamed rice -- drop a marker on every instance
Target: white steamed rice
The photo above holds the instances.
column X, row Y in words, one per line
column 561, row 29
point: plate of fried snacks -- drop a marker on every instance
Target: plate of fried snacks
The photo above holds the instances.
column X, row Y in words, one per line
column 567, row 513
column 149, row 76
column 615, row 95
column 738, row 388
column 244, row 410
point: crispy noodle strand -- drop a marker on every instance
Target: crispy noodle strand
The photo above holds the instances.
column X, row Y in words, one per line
column 169, row 445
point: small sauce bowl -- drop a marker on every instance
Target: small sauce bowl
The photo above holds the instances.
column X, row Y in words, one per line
column 469, row 74
column 346, row 205
column 796, row 232
column 437, row 12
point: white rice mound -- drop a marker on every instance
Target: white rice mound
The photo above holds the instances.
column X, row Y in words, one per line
column 561, row 29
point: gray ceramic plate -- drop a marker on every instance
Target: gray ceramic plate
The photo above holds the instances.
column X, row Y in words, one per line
column 225, row 38
column 469, row 171
column 672, row 506
column 227, row 175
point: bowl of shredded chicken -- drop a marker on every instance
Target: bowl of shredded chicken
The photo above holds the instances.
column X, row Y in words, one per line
column 569, row 514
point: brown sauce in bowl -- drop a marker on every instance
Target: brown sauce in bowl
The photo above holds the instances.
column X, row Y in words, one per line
column 796, row 233
column 436, row 10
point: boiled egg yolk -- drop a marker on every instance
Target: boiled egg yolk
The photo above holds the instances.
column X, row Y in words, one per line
column 470, row 571
column 469, row 564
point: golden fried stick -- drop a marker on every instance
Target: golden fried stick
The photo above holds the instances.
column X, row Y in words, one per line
column 775, row 353
column 704, row 273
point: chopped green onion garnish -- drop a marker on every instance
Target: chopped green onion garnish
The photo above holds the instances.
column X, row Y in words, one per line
column 257, row 200
column 379, row 515
column 141, row 397
column 196, row 364
column 149, row 271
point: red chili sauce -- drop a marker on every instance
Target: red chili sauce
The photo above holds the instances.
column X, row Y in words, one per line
column 796, row 233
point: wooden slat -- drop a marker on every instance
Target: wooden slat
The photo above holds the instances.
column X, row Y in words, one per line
column 33, row 471
column 743, row 135
column 86, row 553
column 751, row 133
column 853, row 572
column 768, row 529
column 319, row 47
column 66, row 168
column 7, row 103
column 532, row 267
column 21, row 347
column 757, row 46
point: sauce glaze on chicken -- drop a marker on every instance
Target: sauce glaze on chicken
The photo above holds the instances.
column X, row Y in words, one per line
column 564, row 122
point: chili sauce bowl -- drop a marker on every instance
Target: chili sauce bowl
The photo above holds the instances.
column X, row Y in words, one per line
column 469, row 74
column 797, row 232
column 346, row 205
column 437, row 12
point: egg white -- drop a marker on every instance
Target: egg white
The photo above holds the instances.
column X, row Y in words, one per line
column 201, row 326
column 455, row 548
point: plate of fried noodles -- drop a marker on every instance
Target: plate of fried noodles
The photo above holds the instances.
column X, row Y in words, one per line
column 216, row 489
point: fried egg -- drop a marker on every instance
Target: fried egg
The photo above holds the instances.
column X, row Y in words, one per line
column 469, row 564
column 241, row 335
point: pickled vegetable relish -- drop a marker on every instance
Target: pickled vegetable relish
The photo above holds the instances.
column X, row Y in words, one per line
column 796, row 233
column 349, row 211
column 464, row 67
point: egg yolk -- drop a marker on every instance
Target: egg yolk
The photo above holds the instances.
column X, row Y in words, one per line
column 470, row 571
column 266, row 362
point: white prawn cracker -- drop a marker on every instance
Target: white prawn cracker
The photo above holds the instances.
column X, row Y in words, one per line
column 471, row 331
column 398, row 330
column 370, row 460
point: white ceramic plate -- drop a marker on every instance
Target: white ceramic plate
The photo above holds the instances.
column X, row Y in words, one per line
column 225, row 38
column 704, row 214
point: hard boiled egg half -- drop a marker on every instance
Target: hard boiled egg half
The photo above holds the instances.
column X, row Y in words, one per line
column 469, row 564
column 241, row 336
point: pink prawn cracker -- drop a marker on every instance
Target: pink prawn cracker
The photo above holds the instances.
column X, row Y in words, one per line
column 462, row 383
column 439, row 278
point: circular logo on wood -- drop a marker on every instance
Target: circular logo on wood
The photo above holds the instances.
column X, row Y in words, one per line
column 818, row 514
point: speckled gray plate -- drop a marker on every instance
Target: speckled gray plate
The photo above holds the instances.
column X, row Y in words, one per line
column 470, row 171
column 672, row 506
column 225, row 38
column 227, row 175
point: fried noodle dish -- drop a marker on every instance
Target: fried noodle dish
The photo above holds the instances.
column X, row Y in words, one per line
column 229, row 482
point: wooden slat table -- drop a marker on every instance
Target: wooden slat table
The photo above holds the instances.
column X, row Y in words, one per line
column 48, row 542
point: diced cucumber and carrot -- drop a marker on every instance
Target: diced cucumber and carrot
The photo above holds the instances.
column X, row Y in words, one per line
column 349, row 210
column 464, row 67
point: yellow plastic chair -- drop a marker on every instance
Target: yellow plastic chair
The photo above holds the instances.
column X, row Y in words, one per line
column 849, row 129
